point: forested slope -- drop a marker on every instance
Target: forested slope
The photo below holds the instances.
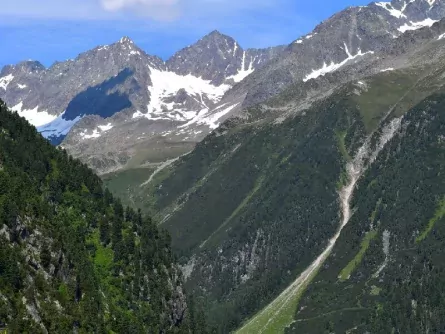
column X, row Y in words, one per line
column 72, row 258
column 386, row 273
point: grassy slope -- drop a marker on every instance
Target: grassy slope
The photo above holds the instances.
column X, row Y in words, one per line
column 438, row 215
column 126, row 184
column 346, row 272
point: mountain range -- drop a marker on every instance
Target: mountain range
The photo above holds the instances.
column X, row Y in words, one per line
column 111, row 102
column 117, row 107
column 302, row 185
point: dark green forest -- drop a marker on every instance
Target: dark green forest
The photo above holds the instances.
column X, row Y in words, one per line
column 72, row 257
column 397, row 284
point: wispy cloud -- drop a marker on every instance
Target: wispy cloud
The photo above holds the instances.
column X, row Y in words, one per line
column 158, row 10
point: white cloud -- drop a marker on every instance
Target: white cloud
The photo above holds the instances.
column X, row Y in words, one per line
column 157, row 9
column 121, row 4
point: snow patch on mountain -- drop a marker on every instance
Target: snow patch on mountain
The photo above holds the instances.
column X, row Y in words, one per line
column 335, row 66
column 393, row 11
column 96, row 132
column 105, row 128
column 34, row 116
column 167, row 84
column 5, row 81
column 416, row 25
column 211, row 118
column 243, row 72
column 58, row 127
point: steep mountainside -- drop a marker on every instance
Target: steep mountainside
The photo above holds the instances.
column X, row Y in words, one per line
column 72, row 259
column 263, row 198
column 347, row 36
column 112, row 102
column 385, row 273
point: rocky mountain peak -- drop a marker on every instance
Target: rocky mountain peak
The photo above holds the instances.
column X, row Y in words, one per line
column 211, row 58
column 126, row 40
column 126, row 43
column 219, row 59
column 30, row 65
column 123, row 47
column 214, row 39
column 27, row 66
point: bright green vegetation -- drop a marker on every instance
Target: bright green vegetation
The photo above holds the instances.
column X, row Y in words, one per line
column 375, row 291
column 385, row 91
column 103, row 257
column 126, row 184
column 438, row 215
column 278, row 315
column 349, row 269
column 341, row 136
column 72, row 257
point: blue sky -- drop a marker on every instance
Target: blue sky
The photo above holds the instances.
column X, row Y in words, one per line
column 50, row 30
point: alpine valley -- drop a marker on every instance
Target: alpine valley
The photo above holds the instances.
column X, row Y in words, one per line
column 302, row 186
